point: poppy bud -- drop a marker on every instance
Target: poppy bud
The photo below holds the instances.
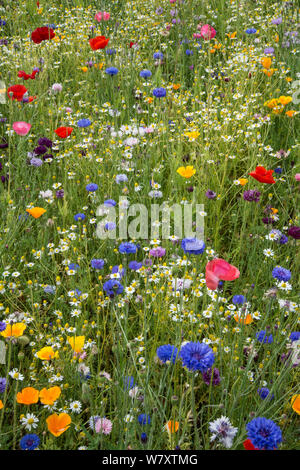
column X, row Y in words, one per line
column 85, row 393
column 21, row 355
column 23, row 340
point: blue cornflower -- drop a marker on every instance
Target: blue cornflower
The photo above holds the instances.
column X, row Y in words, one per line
column 295, row 335
column 278, row 170
column 264, row 433
column 129, row 382
column 2, row 325
column 111, row 71
column 79, row 216
column 110, row 226
column 145, row 73
column 281, row 274
column 117, row 269
column 109, row 202
column 159, row 92
column 167, row 352
column 73, row 266
column 110, row 51
column 127, row 247
column 84, row 123
column 283, row 239
column 121, row 178
column 49, row 289
column 269, row 50
column 251, row 31
column 264, row 393
column 144, row 437
column 192, row 246
column 158, row 55
column 239, row 299
column 189, row 52
column 144, row 419
column 29, row 442
column 113, row 287
column 262, row 337
column 97, row 263
column 91, row 187
column 197, row 356
column 3, row 384
column 134, row 265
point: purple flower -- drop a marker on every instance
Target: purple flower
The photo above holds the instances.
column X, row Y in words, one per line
column 269, row 51
column 193, row 246
column 91, row 187
column 251, row 195
column 294, row 232
column 214, row 378
column 210, row 194
column 3, row 384
column 277, row 21
column 60, row 194
column 157, row 252
column 2, row 325
column 36, row 162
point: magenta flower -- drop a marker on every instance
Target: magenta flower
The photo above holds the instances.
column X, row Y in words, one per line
column 207, row 32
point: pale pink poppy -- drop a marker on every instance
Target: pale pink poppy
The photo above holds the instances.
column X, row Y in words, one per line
column 297, row 176
column 207, row 32
column 21, row 127
column 218, row 269
column 102, row 15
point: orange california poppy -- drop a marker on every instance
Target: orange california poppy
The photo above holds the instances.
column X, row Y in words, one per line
column 50, row 395
column 295, row 402
column 28, row 396
column 36, row 212
column 245, row 320
column 15, row 330
column 57, row 424
column 76, row 342
column 47, row 353
column 186, row 172
column 1, row 404
column 172, row 426
column 266, row 62
column 99, row 42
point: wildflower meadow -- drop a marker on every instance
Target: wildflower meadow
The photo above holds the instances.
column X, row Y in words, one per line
column 149, row 225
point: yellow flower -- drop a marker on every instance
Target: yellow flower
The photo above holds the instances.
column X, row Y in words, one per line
column 295, row 402
column 186, row 172
column 76, row 342
column 47, row 353
column 16, row 330
column 84, row 69
column 176, row 86
column 36, row 212
column 243, row 181
column 192, row 135
column 1, row 405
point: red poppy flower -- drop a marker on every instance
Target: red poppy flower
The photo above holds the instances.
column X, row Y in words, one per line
column 18, row 92
column 63, row 132
column 262, row 175
column 132, row 44
column 248, row 445
column 42, row 34
column 99, row 42
column 26, row 76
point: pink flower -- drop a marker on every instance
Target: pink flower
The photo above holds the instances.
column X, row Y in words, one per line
column 207, row 32
column 21, row 127
column 196, row 35
column 297, row 176
column 102, row 15
column 218, row 269
column 103, row 425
